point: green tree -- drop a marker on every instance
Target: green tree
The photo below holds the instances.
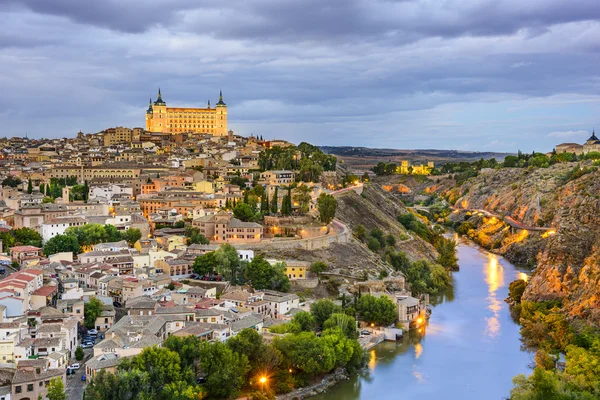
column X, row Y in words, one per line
column 11, row 181
column 225, row 369
column 317, row 268
column 56, row 389
column 112, row 233
column 27, row 237
column 264, row 202
column 79, row 353
column 243, row 212
column 61, row 244
column 516, row 290
column 326, row 204
column 322, row 310
column 360, row 232
column 373, row 244
column 123, row 385
column 346, row 324
column 88, row 235
column 305, row 321
column 262, row 275
column 194, row 236
column 162, row 365
column 447, row 253
column 92, row 310
column 188, row 348
column 29, row 186
column 47, row 200
column 206, row 264
column 378, row 310
column 303, row 198
column 228, row 262
column 274, row 201
column 307, row 353
column 131, row 235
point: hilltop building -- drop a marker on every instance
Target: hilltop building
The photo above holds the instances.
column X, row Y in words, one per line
column 160, row 118
column 592, row 144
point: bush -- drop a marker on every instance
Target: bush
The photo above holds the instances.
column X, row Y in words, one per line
column 374, row 244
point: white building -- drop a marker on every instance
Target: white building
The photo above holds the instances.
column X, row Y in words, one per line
column 109, row 191
column 58, row 226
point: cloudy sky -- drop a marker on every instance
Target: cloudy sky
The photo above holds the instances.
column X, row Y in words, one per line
column 454, row 74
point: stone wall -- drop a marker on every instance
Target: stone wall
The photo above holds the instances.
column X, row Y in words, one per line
column 322, row 386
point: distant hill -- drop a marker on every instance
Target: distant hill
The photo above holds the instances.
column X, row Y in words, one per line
column 365, row 158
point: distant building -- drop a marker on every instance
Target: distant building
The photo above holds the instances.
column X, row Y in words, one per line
column 160, row 118
column 277, row 178
column 592, row 144
column 223, row 228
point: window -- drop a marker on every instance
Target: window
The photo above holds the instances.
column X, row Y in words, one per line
column 41, row 383
column 18, row 389
column 30, row 387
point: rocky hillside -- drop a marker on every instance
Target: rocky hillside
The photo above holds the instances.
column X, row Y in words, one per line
column 565, row 197
column 374, row 208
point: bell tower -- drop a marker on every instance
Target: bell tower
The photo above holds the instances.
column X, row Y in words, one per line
column 221, row 120
column 159, row 115
column 149, row 116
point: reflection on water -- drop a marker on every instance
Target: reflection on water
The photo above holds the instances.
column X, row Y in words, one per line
column 494, row 277
column 469, row 349
column 372, row 360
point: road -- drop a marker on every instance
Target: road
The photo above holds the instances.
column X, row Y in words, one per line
column 75, row 386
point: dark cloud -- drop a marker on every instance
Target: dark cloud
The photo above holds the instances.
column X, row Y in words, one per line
column 381, row 72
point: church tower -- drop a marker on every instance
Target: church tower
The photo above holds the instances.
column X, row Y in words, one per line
column 159, row 115
column 221, row 121
column 149, row 116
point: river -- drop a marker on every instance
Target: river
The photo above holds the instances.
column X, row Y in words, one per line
column 469, row 350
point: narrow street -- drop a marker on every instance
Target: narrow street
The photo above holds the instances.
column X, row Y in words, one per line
column 75, row 386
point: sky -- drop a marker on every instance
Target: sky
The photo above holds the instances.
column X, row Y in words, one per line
column 482, row 75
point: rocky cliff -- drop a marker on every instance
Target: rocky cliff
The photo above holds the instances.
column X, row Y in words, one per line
column 564, row 197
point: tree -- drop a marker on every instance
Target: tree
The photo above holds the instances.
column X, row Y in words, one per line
column 373, row 244
column 243, row 212
column 162, row 365
column 92, row 310
column 360, row 232
column 206, row 264
column 447, row 253
column 304, row 321
column 179, row 224
column 188, row 348
column 317, row 267
column 88, row 235
column 228, row 262
column 27, row 237
column 262, row 275
column 11, row 181
column 123, row 385
column 61, row 244
column 56, row 389
column 29, row 186
column 194, row 236
column 112, row 233
column 86, row 191
column 511, row 161
column 132, row 235
column 322, row 310
column 274, row 201
column 326, row 204
column 225, row 369
column 346, row 324
column 47, row 200
column 307, row 352
column 303, row 198
column 264, row 202
column 516, row 290
column 378, row 310
column 79, row 353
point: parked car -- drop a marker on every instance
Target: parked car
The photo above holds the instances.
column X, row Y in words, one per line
column 83, row 377
column 75, row 366
column 92, row 332
column 2, row 270
column 70, row 371
column 200, row 380
column 365, row 332
column 117, row 304
column 87, row 345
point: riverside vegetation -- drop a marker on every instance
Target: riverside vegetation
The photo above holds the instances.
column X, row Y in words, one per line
column 235, row 367
column 558, row 309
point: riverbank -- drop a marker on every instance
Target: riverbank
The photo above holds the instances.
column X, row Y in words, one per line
column 470, row 348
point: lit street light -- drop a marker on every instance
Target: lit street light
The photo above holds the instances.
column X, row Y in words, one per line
column 263, row 380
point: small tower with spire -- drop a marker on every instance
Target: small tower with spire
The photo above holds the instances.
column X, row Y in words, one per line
column 592, row 138
column 156, row 115
column 221, row 120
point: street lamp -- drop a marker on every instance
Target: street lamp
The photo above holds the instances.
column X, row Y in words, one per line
column 263, row 380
